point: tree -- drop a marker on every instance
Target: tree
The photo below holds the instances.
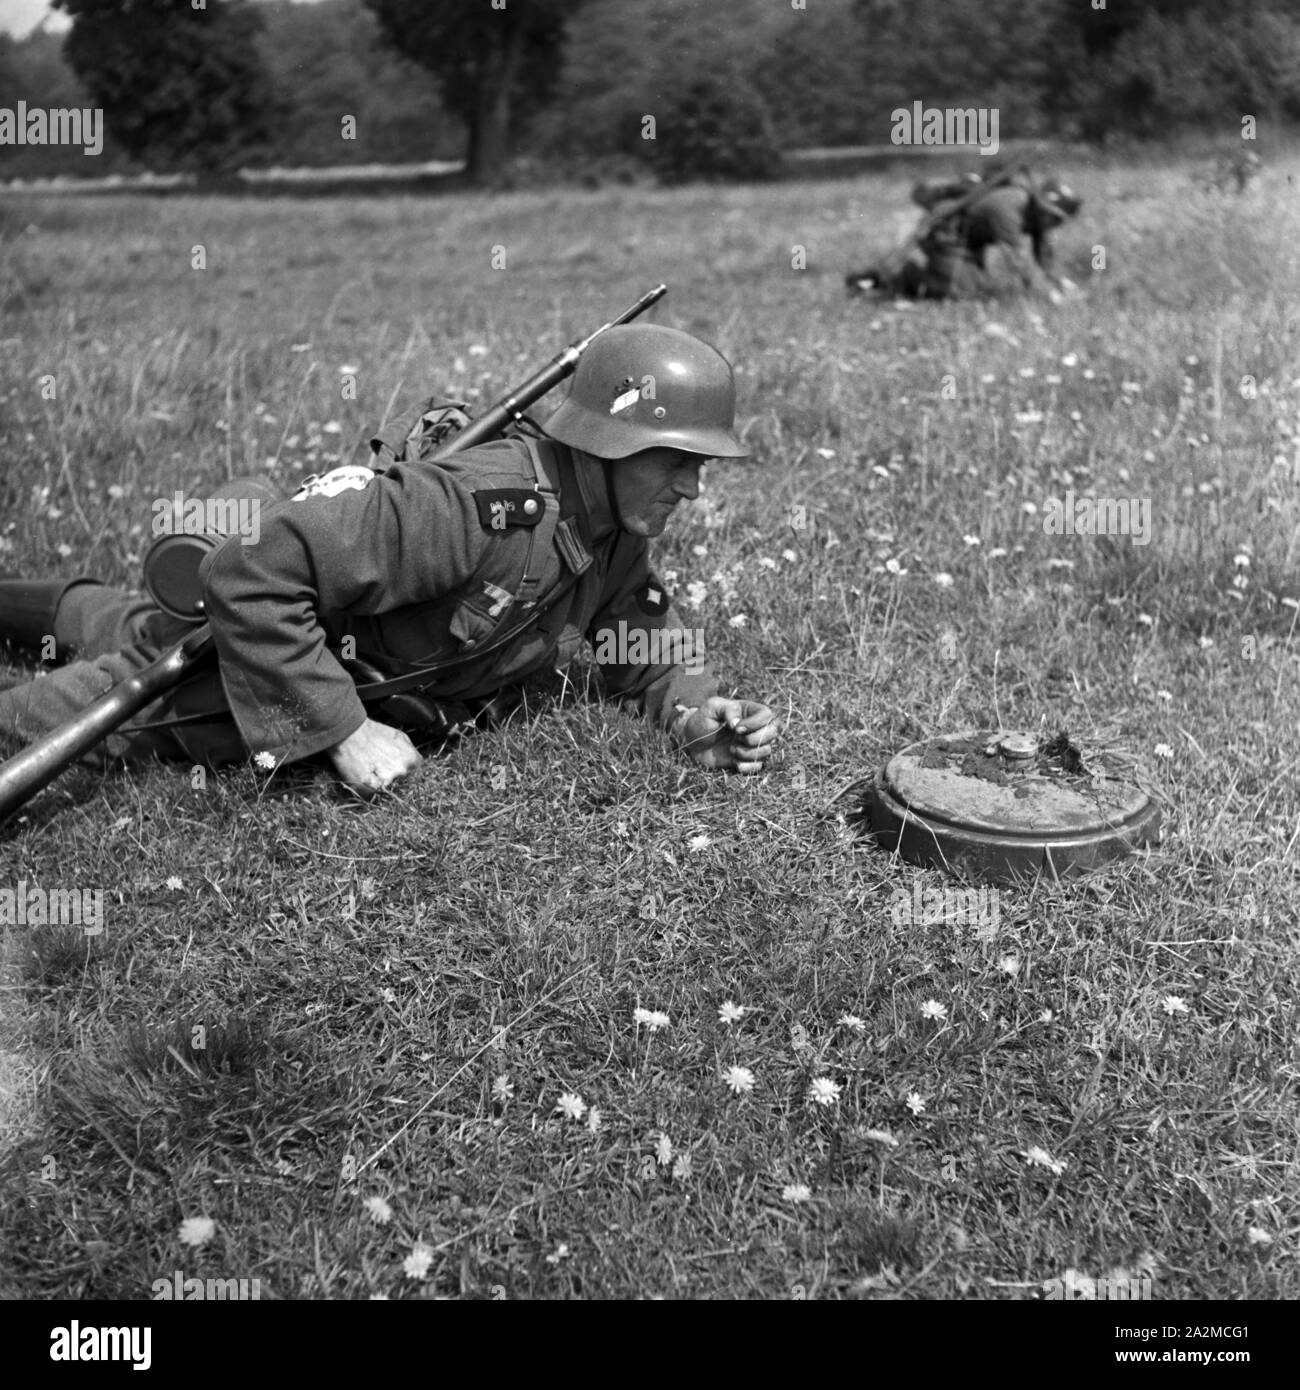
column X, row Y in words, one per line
column 181, row 88
column 714, row 130
column 496, row 62
column 329, row 62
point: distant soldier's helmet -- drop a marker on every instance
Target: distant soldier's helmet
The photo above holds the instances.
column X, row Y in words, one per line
column 642, row 386
column 1060, row 198
column 929, row 193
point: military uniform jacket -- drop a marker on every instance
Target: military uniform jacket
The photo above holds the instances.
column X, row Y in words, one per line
column 428, row 563
column 1003, row 217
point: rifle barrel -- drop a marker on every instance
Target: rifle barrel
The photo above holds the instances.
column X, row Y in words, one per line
column 509, row 408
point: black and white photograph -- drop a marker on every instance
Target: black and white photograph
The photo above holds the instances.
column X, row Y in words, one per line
column 650, row 651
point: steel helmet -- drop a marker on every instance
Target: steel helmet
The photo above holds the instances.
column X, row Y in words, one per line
column 642, row 386
column 1059, row 197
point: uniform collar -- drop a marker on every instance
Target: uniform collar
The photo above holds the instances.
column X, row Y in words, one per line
column 593, row 488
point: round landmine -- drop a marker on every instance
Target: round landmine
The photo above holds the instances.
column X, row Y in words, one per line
column 999, row 806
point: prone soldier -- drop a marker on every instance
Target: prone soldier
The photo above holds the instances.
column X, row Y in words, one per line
column 485, row 567
column 948, row 256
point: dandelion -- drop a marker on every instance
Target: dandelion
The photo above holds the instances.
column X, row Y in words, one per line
column 1029, row 417
column 915, row 1102
column 174, row 884
column 971, row 540
column 1205, row 643
column 1258, row 1236
column 1071, row 359
column 1089, row 374
column 388, row 996
column 503, row 1089
column 933, row 1009
column 653, row 1019
column 826, row 453
column 574, row 1107
column 593, row 1120
column 943, row 579
column 895, row 568
column 731, row 1013
column 1010, row 965
column 739, row 1080
column 331, row 427
column 766, row 562
column 478, row 350
column 1165, row 695
column 737, row 620
column 997, row 553
column 987, row 379
column 1241, row 561
column 1046, row 1016
column 696, row 593
column 1052, row 379
column 346, row 370
column 378, row 1210
column 663, row 1151
column 1029, row 508
column 283, row 1167
column 1039, row 1157
column 416, row 1264
column 852, row 1022
column 1146, row 620
column 562, row 1252
column 1174, row 1004
column 197, row 1230
column 265, row 760
column 697, row 843
column 789, row 556
column 796, row 1192
column 823, row 1091
column 1163, row 750
column 682, row 1167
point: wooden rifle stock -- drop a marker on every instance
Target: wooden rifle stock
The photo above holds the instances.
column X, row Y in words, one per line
column 42, row 761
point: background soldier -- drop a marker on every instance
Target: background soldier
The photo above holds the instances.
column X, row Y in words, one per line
column 947, row 256
column 497, row 559
column 1005, row 218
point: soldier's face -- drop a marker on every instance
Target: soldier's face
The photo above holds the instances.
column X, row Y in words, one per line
column 647, row 486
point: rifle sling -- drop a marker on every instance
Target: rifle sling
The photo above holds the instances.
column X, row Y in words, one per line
column 372, row 691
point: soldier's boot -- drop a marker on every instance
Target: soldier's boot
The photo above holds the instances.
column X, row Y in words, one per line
column 28, row 608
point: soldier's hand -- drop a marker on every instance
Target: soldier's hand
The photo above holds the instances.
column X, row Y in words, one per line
column 733, row 735
column 374, row 757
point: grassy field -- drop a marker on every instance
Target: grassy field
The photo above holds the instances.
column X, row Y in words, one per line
column 301, row 1003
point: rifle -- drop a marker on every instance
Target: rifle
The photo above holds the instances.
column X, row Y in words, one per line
column 42, row 761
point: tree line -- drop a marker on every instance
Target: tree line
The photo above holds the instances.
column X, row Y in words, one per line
column 685, row 88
